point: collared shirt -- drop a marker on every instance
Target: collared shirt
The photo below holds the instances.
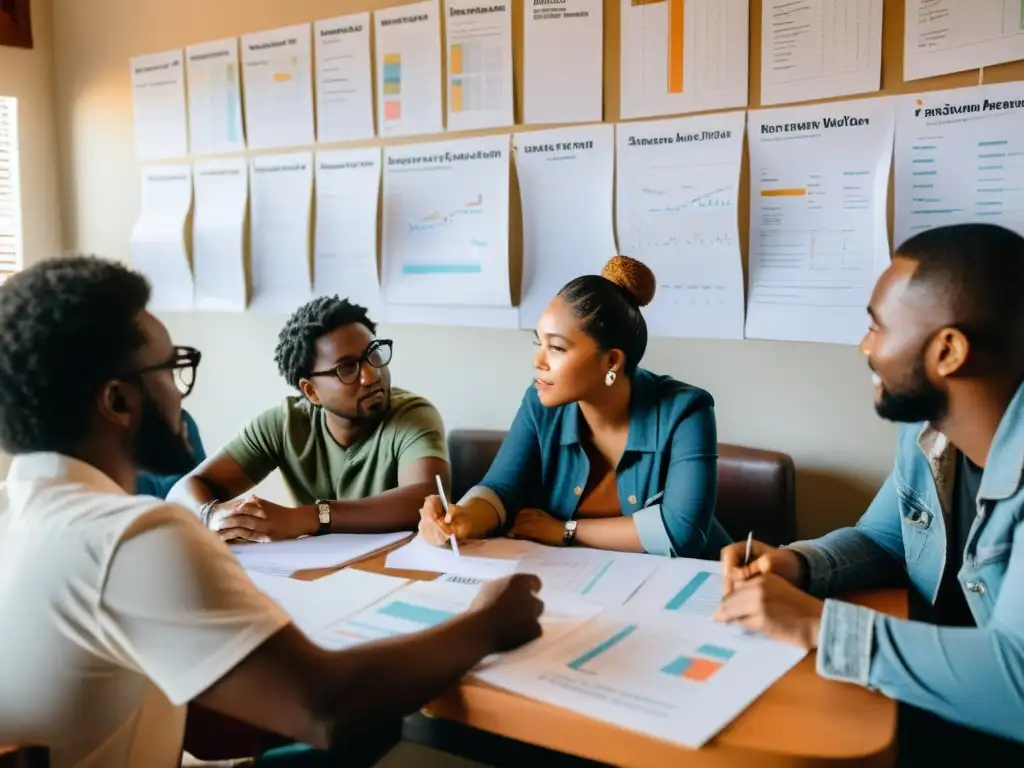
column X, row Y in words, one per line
column 972, row 676
column 667, row 477
column 117, row 611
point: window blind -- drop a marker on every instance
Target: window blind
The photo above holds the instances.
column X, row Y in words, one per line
column 10, row 190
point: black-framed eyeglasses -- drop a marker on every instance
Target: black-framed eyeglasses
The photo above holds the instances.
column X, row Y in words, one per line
column 183, row 362
column 377, row 354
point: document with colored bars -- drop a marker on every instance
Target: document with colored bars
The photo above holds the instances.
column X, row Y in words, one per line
column 683, row 56
column 670, row 675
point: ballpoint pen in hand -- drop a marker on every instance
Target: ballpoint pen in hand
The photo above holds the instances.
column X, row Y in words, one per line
column 444, row 506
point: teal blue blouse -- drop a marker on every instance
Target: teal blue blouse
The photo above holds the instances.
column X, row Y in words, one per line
column 149, row 484
column 667, row 477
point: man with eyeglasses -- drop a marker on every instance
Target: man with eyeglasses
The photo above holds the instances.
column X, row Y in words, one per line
column 120, row 609
column 357, row 455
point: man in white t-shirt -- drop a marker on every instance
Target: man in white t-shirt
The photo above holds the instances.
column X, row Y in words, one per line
column 118, row 610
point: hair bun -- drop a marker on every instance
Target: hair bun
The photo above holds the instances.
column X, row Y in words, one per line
column 635, row 276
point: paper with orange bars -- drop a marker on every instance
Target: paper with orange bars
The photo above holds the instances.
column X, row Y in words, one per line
column 667, row 674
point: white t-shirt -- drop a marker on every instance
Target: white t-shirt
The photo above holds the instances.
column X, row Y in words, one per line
column 115, row 612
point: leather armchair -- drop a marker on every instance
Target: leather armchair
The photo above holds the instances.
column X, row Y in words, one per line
column 756, row 488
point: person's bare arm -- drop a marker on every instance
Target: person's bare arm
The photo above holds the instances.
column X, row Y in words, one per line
column 291, row 687
column 614, row 533
column 220, row 478
column 394, row 510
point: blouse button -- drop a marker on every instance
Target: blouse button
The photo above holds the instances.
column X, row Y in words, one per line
column 578, row 491
column 631, row 499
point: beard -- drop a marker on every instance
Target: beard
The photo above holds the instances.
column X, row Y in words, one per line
column 158, row 448
column 916, row 401
column 364, row 415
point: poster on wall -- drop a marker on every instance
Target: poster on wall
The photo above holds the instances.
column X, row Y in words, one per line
column 158, row 103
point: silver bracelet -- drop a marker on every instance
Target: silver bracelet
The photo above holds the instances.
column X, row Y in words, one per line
column 206, row 512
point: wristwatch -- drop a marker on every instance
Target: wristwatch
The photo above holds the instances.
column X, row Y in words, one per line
column 569, row 533
column 323, row 514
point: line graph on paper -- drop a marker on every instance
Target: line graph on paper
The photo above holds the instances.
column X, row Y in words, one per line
column 680, row 219
column 447, row 237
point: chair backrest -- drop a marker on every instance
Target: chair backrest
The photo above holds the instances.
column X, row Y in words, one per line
column 756, row 488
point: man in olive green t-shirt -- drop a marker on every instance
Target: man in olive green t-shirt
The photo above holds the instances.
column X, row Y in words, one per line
column 357, row 455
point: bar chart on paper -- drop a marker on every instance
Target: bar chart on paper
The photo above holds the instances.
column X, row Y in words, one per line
column 675, row 677
column 683, row 585
column 411, row 609
column 960, row 166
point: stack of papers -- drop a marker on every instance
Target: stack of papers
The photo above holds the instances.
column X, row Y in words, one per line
column 627, row 639
column 283, row 558
column 588, row 575
column 313, row 605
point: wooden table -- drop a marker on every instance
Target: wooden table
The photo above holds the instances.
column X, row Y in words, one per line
column 802, row 720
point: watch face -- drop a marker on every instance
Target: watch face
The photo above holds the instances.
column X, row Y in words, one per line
column 324, row 513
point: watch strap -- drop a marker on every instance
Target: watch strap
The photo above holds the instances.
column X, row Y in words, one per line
column 323, row 510
column 569, row 533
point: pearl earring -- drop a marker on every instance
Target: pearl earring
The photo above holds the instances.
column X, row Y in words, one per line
column 609, row 378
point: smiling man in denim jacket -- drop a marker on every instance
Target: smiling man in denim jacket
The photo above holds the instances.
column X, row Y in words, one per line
column 946, row 345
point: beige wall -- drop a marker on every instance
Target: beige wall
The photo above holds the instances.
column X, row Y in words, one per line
column 28, row 76
column 813, row 401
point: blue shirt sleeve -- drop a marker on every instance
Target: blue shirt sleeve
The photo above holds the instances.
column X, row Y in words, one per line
column 517, row 467
column 148, row 484
column 680, row 525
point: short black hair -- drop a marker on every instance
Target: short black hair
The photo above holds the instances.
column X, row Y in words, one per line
column 979, row 269
column 296, row 344
column 67, row 326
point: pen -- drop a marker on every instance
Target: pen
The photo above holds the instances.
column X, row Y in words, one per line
column 746, row 557
column 444, row 506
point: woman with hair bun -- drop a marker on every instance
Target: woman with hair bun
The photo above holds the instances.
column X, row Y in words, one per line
column 602, row 453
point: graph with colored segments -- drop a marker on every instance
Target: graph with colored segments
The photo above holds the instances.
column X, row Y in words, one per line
column 700, row 666
column 392, row 89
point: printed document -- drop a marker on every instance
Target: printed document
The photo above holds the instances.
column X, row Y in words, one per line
column 282, row 199
column 587, row 575
column 677, row 185
column 408, row 46
column 819, row 178
column 672, row 676
column 214, row 98
column 819, row 49
column 277, row 69
column 158, row 244
column 283, row 558
column 344, row 89
column 683, row 56
column 565, row 186
column 218, row 233
column 315, row 604
column 345, row 246
column 158, row 102
column 479, row 59
column 943, row 36
column 563, row 67
column 446, row 222
column 960, row 158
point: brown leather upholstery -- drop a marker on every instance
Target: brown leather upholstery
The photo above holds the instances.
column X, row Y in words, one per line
column 756, row 488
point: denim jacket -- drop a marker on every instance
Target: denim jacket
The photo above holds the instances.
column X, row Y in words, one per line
column 667, row 477
column 973, row 676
